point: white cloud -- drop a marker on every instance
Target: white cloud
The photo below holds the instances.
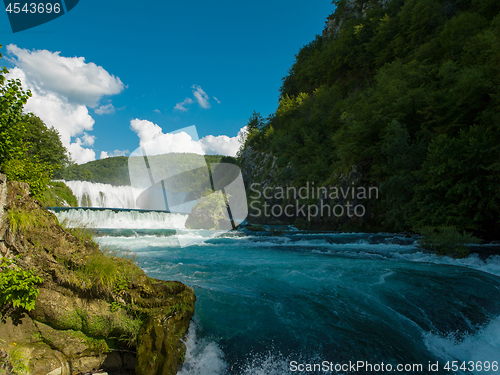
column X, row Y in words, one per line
column 217, row 100
column 71, row 77
column 201, row 97
column 181, row 106
column 105, row 109
column 221, row 145
column 152, row 138
column 87, row 140
column 173, row 143
column 81, row 154
column 145, row 129
column 62, row 89
column 105, row 154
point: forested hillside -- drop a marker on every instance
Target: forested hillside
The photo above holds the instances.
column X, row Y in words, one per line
column 114, row 170
column 406, row 93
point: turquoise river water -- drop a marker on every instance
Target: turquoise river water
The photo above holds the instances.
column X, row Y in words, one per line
column 317, row 303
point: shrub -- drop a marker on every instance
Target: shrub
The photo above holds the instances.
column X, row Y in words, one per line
column 17, row 287
column 36, row 175
column 446, row 240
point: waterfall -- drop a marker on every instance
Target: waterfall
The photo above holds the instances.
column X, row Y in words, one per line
column 94, row 194
column 121, row 219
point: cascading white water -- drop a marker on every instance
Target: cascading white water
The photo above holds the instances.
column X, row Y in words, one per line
column 122, row 219
column 94, row 194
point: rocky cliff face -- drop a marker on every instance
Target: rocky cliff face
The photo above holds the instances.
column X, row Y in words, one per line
column 92, row 311
column 263, row 176
column 349, row 9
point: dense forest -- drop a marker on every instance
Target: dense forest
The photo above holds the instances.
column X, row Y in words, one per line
column 407, row 93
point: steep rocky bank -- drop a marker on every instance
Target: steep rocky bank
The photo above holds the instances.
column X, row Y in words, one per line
column 93, row 311
column 264, row 175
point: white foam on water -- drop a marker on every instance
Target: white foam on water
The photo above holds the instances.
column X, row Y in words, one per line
column 360, row 248
column 490, row 265
column 182, row 237
column 138, row 244
column 481, row 347
column 203, row 357
column 268, row 364
column 122, row 219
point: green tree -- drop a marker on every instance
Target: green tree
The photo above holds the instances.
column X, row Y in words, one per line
column 460, row 179
column 29, row 151
column 255, row 122
column 45, row 143
column 12, row 101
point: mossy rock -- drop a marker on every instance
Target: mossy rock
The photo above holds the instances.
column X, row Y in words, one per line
column 83, row 319
column 210, row 213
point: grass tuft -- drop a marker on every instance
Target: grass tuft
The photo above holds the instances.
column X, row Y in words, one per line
column 26, row 220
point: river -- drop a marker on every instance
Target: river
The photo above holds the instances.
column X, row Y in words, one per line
column 276, row 304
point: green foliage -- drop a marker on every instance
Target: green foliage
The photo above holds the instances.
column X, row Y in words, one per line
column 115, row 306
column 37, row 175
column 58, row 194
column 255, row 122
column 23, row 220
column 80, row 230
column 460, row 180
column 18, row 357
column 12, row 101
column 17, row 286
column 45, row 143
column 209, row 212
column 104, row 275
column 446, row 240
column 113, row 170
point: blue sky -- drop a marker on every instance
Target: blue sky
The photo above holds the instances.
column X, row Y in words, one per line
column 150, row 56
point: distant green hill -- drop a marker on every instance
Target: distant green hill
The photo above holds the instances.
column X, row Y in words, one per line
column 114, row 170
